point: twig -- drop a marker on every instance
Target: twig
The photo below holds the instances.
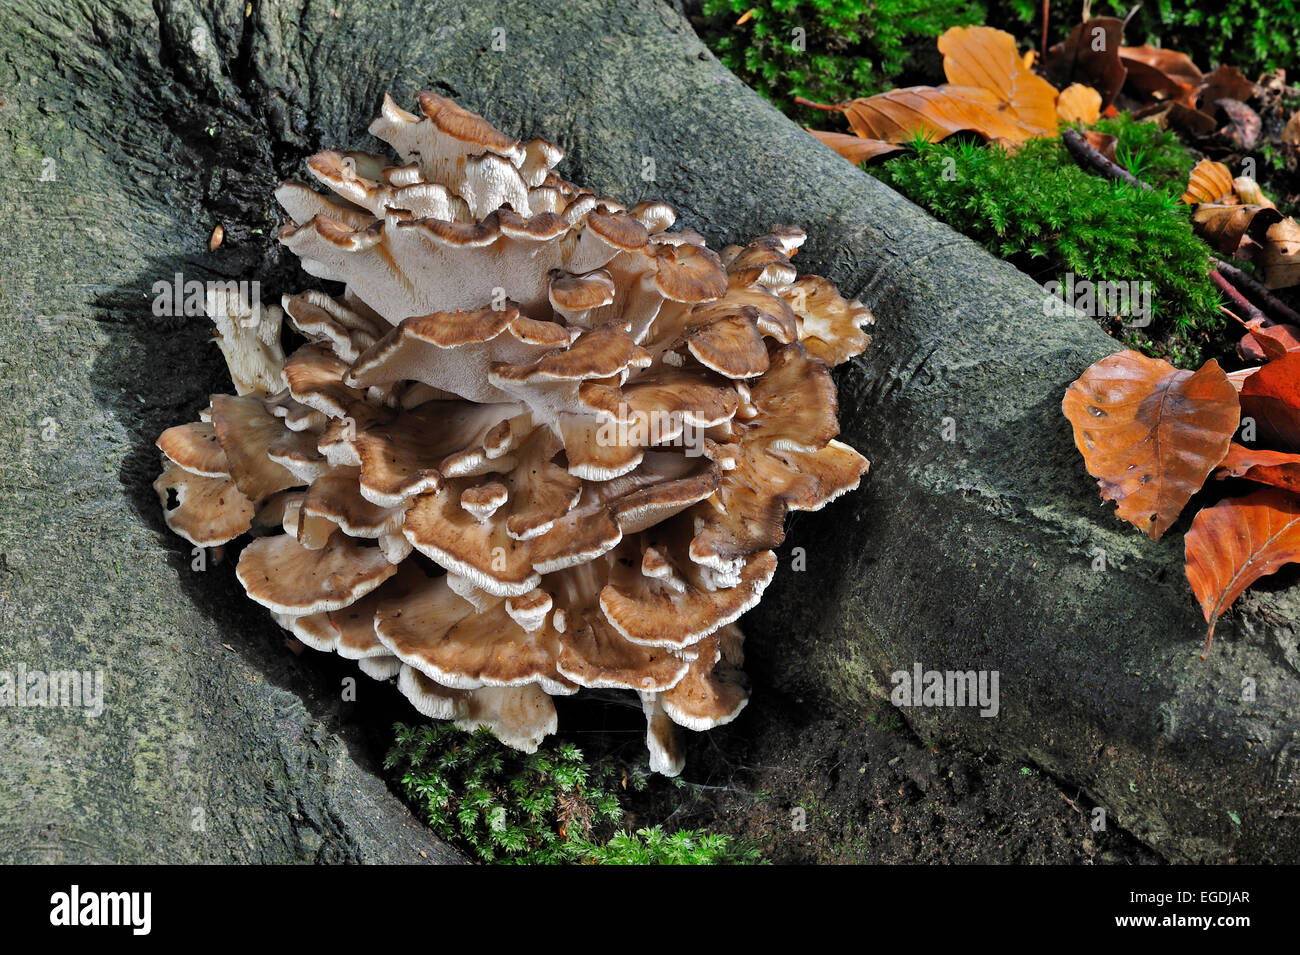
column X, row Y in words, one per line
column 1046, row 10
column 1252, row 313
column 1084, row 153
column 822, row 106
column 1249, row 285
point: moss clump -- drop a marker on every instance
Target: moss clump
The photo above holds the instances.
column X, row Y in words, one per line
column 849, row 48
column 1037, row 208
column 545, row 808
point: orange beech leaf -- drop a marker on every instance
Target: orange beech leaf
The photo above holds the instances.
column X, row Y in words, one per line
column 854, row 148
column 899, row 115
column 1281, row 256
column 1078, row 103
column 1210, row 181
column 1234, row 543
column 1272, row 397
column 1277, row 468
column 986, row 58
column 1151, row 433
column 990, row 91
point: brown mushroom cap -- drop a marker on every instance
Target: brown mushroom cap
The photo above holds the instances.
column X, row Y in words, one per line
column 830, row 326
column 206, row 511
column 285, row 577
column 453, row 351
column 678, row 610
column 688, row 273
column 321, row 318
column 194, row 448
column 714, row 690
column 246, row 431
column 429, row 627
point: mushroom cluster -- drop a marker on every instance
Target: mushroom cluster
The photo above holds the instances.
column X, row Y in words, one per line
column 537, row 442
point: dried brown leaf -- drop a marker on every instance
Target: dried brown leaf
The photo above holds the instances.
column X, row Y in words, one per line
column 1210, row 181
column 1280, row 257
column 1150, row 433
column 1237, row 541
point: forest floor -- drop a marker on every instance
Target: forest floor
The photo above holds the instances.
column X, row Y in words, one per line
column 810, row 789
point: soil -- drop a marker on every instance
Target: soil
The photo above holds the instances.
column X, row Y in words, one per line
column 817, row 790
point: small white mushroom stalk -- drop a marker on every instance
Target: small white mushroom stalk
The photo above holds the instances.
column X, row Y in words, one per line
column 539, row 443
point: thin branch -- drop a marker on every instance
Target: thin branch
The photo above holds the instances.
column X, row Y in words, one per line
column 1047, row 4
column 1252, row 313
column 1252, row 287
column 1084, row 153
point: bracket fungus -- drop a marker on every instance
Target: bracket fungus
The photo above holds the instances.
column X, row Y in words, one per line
column 537, row 442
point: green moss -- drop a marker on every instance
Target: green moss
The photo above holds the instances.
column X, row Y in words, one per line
column 1037, row 208
column 1255, row 35
column 544, row 808
column 850, row 48
column 1154, row 155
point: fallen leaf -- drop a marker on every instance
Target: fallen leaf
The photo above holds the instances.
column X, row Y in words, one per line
column 1225, row 225
column 1209, row 181
column 1249, row 193
column 937, row 112
column 1243, row 125
column 1104, row 143
column 1234, row 543
column 854, row 148
column 1176, row 115
column 990, row 91
column 1272, row 397
column 1090, row 55
column 1157, row 73
column 1150, row 433
column 1227, row 82
column 986, row 58
column 1291, row 134
column 1280, row 258
column 1238, row 378
column 1079, row 103
column 1278, row 468
column 1268, row 342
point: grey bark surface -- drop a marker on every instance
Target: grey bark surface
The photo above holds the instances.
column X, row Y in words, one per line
column 166, row 118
